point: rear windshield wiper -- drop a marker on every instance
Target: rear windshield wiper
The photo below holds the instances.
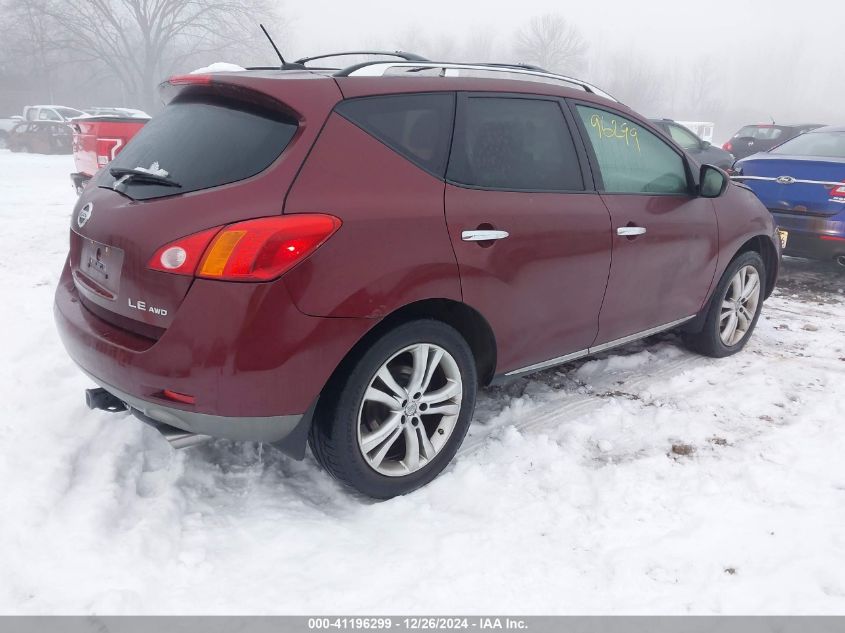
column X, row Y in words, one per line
column 125, row 174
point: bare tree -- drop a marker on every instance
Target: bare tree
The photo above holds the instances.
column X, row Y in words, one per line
column 552, row 42
column 141, row 41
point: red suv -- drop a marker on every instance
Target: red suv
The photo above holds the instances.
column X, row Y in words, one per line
column 344, row 258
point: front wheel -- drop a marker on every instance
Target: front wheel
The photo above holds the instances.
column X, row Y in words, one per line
column 734, row 309
column 399, row 415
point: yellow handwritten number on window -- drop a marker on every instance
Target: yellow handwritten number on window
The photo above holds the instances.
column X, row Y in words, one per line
column 622, row 132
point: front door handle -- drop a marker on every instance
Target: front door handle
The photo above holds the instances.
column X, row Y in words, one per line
column 480, row 235
column 630, row 231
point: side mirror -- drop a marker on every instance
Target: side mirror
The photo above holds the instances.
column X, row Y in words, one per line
column 706, row 144
column 713, row 182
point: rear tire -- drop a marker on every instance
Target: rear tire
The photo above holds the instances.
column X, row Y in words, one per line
column 734, row 309
column 396, row 418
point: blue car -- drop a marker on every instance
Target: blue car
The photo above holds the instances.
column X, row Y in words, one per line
column 802, row 183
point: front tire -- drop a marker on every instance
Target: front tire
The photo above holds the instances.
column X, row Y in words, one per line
column 734, row 309
column 397, row 417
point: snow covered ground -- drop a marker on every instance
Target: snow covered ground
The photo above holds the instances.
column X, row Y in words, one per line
column 567, row 497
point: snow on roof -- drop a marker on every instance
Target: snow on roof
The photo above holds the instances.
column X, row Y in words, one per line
column 219, row 67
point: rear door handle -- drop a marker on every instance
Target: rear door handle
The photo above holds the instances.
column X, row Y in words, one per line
column 630, row 231
column 479, row 235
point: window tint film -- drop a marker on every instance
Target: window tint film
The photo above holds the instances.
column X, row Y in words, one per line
column 515, row 144
column 418, row 126
column 631, row 159
column 202, row 142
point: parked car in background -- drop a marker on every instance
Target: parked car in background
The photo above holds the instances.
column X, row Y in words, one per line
column 751, row 139
column 702, row 151
column 702, row 129
column 50, row 113
column 802, row 182
column 98, row 139
column 117, row 112
column 40, row 137
column 348, row 256
column 6, row 125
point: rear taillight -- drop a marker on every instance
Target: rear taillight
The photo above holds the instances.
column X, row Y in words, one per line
column 262, row 249
column 728, row 146
column 107, row 149
column 183, row 255
column 254, row 250
column 838, row 191
column 183, row 80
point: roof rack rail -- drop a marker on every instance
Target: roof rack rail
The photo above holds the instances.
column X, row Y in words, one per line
column 411, row 57
column 380, row 68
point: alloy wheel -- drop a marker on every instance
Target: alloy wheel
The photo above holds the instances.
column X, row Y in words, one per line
column 409, row 409
column 739, row 305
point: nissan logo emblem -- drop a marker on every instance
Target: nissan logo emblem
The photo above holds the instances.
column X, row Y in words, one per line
column 84, row 214
column 785, row 180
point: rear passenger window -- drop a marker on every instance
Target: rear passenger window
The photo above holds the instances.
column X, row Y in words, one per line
column 514, row 144
column 418, row 126
column 631, row 159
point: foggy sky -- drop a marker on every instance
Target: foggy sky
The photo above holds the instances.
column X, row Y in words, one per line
column 780, row 59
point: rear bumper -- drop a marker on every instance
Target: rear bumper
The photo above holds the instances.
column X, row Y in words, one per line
column 254, row 364
column 256, row 429
column 813, row 237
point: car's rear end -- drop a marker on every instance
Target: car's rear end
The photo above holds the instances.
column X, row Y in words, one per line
column 97, row 140
column 802, row 183
column 169, row 298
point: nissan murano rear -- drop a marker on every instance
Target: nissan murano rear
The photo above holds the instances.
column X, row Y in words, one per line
column 342, row 259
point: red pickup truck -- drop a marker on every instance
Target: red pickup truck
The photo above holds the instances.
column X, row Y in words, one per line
column 97, row 140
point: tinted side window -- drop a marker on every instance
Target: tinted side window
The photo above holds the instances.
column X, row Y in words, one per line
column 418, row 126
column 683, row 138
column 630, row 158
column 203, row 142
column 514, row 144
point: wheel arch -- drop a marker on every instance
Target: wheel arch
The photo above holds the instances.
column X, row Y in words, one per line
column 763, row 245
column 466, row 320
column 760, row 244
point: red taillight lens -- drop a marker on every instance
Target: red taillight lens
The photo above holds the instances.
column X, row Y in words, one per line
column 832, row 238
column 254, row 250
column 263, row 249
column 727, row 146
column 183, row 255
column 181, row 80
column 838, row 191
column 107, row 149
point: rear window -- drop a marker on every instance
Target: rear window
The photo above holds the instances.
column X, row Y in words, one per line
column 201, row 143
column 418, row 126
column 827, row 144
column 760, row 132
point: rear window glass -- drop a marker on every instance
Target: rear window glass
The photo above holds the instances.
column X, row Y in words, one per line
column 516, row 145
column 201, row 143
column 418, row 126
column 827, row 144
column 760, row 132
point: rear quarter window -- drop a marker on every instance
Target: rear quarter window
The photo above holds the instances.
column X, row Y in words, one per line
column 417, row 126
column 203, row 142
